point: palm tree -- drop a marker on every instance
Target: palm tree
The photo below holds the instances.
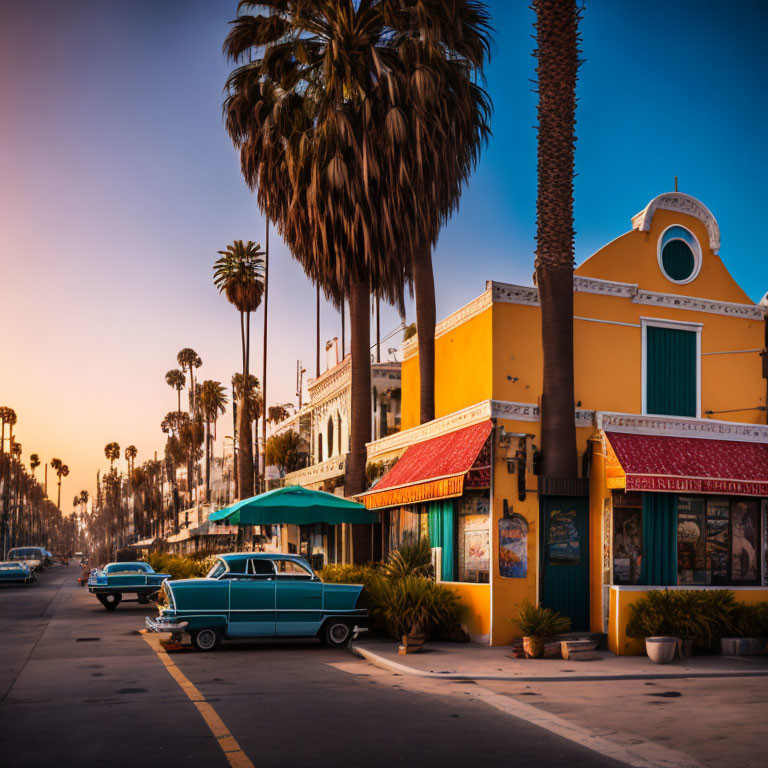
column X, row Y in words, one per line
column 188, row 360
column 304, row 120
column 112, row 452
column 342, row 122
column 4, row 412
column 239, row 274
column 62, row 470
column 557, row 54
column 213, row 401
column 176, row 379
column 34, row 463
column 9, row 417
column 130, row 456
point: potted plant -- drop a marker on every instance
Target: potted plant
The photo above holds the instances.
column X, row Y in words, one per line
column 537, row 624
column 412, row 608
column 652, row 618
column 750, row 624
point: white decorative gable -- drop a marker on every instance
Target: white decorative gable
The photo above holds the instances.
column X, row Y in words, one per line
column 677, row 201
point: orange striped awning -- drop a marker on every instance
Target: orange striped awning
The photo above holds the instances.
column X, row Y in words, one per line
column 430, row 470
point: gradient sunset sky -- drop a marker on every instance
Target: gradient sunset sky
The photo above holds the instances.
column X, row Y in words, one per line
column 118, row 185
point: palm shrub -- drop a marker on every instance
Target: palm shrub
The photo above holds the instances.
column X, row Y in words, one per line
column 699, row 615
column 751, row 620
column 178, row 566
column 537, row 621
column 414, row 558
column 337, row 573
column 412, row 605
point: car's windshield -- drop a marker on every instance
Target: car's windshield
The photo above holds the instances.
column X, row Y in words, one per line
column 125, row 567
column 24, row 553
column 218, row 570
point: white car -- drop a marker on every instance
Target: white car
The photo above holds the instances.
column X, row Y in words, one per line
column 34, row 557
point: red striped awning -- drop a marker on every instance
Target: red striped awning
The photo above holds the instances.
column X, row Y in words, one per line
column 430, row 470
column 695, row 465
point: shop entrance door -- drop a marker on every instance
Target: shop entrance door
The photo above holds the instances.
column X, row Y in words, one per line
column 564, row 560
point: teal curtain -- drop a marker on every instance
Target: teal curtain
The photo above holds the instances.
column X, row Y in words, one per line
column 659, row 562
column 441, row 519
column 670, row 371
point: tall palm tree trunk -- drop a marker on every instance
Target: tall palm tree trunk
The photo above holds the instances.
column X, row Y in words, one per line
column 557, row 53
column 264, row 362
column 317, row 333
column 360, row 395
column 207, row 461
column 245, row 445
column 424, row 294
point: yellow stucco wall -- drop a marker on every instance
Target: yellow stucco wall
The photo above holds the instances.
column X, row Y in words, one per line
column 622, row 598
column 475, row 609
column 463, row 370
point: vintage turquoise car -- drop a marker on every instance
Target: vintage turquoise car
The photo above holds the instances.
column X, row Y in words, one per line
column 117, row 579
column 251, row 595
column 16, row 572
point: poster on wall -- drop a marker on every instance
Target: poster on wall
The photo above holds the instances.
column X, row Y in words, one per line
column 513, row 547
column 477, row 550
column 627, row 545
column 691, row 541
column 564, row 539
column 718, row 522
column 745, row 537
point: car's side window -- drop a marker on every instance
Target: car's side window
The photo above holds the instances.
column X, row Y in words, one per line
column 238, row 566
column 261, row 567
column 292, row 570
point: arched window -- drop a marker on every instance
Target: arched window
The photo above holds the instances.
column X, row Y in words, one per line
column 679, row 255
column 330, row 436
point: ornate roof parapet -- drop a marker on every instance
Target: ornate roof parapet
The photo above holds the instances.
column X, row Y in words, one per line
column 331, row 381
column 677, row 201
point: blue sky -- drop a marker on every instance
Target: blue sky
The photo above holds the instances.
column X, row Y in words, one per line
column 119, row 185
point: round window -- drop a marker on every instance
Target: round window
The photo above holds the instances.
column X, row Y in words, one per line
column 679, row 255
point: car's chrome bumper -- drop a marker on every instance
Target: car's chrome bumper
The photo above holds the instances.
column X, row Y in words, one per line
column 165, row 625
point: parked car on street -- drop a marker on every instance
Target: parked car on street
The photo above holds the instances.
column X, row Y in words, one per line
column 34, row 557
column 16, row 571
column 260, row 594
column 117, row 579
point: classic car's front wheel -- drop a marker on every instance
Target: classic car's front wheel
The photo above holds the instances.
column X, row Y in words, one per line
column 206, row 640
column 336, row 633
column 111, row 600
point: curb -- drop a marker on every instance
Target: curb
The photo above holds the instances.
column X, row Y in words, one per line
column 393, row 666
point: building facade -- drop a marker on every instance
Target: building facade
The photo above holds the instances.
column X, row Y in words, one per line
column 671, row 428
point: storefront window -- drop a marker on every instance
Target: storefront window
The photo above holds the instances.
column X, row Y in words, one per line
column 403, row 526
column 721, row 541
column 474, row 548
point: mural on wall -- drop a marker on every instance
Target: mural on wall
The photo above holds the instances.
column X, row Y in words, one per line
column 477, row 548
column 564, row 539
column 745, row 535
column 513, row 547
column 627, row 545
column 474, row 538
column 718, row 517
column 691, row 541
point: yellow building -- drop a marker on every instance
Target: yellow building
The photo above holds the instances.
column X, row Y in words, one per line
column 670, row 416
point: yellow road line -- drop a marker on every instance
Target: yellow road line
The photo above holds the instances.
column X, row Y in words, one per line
column 229, row 746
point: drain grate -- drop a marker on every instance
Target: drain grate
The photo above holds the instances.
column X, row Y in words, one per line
column 87, row 639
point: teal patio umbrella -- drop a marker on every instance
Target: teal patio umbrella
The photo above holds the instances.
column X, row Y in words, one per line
column 294, row 505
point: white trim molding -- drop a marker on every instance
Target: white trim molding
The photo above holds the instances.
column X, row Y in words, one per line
column 658, row 322
column 681, row 426
column 681, row 203
column 694, row 304
column 316, row 473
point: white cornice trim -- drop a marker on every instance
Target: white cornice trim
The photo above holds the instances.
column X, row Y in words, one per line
column 677, row 201
column 401, row 440
column 330, row 382
column 316, row 473
column 694, row 304
column 680, row 426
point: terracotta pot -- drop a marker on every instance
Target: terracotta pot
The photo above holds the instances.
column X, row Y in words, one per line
column 534, row 647
column 661, row 650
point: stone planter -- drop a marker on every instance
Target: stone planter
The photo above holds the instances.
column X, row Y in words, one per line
column 739, row 646
column 661, row 650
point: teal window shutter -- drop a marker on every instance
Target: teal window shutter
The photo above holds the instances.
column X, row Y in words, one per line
column 678, row 260
column 658, row 566
column 671, row 371
column 442, row 523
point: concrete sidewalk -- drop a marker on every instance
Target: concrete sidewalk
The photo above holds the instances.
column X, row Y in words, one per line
column 459, row 661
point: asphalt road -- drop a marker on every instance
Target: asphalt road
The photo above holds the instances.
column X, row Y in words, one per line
column 80, row 686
